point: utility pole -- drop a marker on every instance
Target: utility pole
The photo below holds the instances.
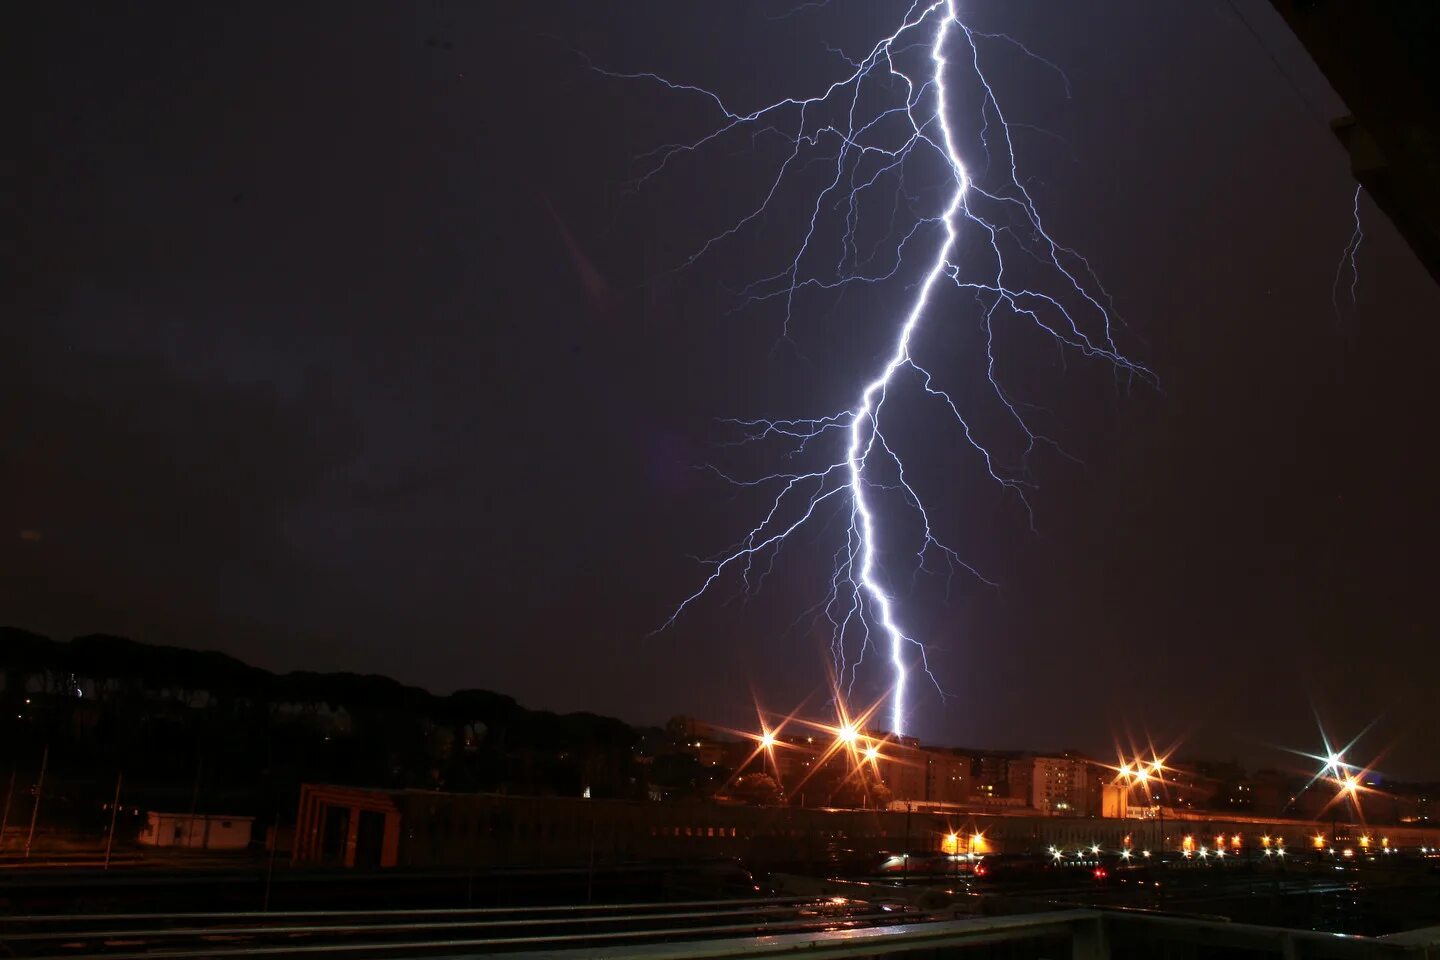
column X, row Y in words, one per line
column 270, row 866
column 114, row 809
column 590, row 873
column 194, row 802
column 1161, row 808
column 39, row 792
column 5, row 818
column 905, row 861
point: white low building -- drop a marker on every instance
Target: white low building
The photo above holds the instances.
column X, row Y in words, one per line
column 207, row 831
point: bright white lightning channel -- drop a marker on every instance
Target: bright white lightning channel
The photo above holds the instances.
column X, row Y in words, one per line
column 1055, row 290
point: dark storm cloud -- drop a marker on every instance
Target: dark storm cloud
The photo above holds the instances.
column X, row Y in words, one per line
column 152, row 500
column 303, row 368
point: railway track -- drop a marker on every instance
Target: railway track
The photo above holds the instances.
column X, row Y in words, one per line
column 419, row 933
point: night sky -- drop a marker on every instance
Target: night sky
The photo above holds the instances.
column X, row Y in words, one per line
column 339, row 342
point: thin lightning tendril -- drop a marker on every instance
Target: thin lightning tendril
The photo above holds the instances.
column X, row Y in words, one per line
column 1348, row 255
column 1066, row 302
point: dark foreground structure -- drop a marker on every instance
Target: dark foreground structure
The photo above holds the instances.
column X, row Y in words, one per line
column 1380, row 58
column 772, row 927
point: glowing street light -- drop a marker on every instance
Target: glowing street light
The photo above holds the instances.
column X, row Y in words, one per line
column 767, row 740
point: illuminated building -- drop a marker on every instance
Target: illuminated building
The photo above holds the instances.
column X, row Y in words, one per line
column 947, row 777
column 1002, row 775
column 1115, row 800
column 1060, row 786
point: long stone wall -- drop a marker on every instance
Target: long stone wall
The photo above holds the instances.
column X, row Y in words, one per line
column 449, row 829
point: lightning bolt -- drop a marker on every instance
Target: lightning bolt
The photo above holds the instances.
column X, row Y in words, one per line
column 1352, row 249
column 882, row 124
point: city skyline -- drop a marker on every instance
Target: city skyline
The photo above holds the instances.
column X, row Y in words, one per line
column 100, row 672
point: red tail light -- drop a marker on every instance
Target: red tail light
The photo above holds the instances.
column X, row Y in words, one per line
column 980, row 870
column 1099, row 873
